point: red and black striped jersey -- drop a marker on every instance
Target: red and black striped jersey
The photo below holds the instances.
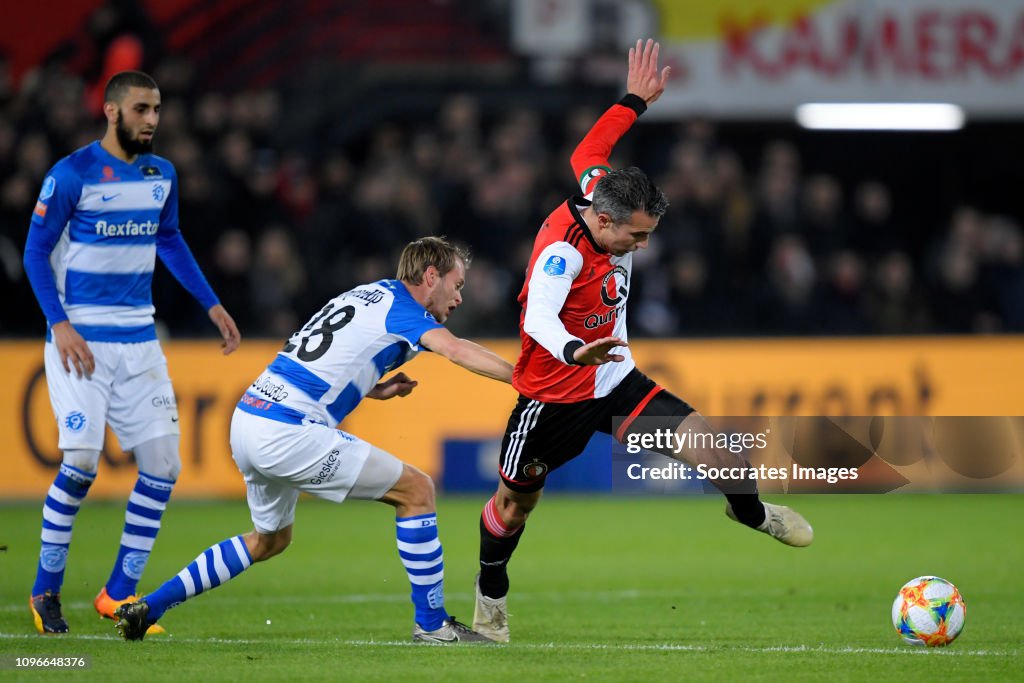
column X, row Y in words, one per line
column 575, row 291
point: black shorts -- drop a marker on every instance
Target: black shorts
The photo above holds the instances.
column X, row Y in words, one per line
column 541, row 437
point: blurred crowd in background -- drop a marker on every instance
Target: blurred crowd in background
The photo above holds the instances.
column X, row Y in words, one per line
column 753, row 244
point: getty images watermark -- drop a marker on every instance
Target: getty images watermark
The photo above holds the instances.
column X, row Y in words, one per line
column 818, row 454
column 682, row 442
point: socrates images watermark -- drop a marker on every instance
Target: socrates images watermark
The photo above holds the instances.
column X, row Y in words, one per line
column 671, row 442
column 818, row 454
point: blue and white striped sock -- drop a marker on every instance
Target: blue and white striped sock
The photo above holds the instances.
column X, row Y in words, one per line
column 146, row 506
column 421, row 553
column 216, row 565
column 62, row 502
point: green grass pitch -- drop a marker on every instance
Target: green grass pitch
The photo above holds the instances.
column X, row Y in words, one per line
column 602, row 589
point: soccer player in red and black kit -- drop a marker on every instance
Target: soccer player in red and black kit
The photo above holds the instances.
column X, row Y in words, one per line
column 575, row 372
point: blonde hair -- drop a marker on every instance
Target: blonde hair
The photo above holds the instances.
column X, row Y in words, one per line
column 429, row 251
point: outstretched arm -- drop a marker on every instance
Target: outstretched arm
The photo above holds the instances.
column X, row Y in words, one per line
column 467, row 354
column 644, row 84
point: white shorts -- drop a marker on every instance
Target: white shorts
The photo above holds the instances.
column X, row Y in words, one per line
column 280, row 460
column 130, row 389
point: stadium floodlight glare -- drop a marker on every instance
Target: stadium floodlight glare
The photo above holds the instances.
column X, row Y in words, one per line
column 880, row 116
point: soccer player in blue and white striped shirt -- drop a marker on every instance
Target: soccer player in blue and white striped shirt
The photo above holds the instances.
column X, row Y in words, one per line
column 104, row 214
column 285, row 441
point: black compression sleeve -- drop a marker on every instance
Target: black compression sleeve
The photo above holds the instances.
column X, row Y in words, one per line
column 570, row 348
column 634, row 102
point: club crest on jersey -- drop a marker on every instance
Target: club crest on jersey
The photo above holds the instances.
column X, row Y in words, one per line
column 158, row 192
column 49, row 185
column 555, row 265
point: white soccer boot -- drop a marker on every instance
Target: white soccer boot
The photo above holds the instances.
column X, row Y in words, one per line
column 783, row 524
column 490, row 616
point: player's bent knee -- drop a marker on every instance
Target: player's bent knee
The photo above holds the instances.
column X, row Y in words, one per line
column 515, row 515
column 421, row 489
column 514, row 507
column 265, row 546
column 159, row 457
column 84, row 460
column 413, row 493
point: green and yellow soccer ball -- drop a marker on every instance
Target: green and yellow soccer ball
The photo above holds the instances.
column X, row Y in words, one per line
column 929, row 611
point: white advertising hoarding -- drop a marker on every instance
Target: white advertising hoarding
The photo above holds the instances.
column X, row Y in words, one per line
column 756, row 58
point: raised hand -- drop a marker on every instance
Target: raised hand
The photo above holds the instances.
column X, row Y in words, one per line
column 598, row 352
column 644, row 80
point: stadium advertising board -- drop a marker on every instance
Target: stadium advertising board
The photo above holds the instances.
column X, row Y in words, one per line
column 913, row 376
column 765, row 57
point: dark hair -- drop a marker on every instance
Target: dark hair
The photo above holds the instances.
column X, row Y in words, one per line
column 119, row 83
column 429, row 251
column 620, row 193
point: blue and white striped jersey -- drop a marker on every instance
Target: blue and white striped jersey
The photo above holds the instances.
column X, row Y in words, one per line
column 95, row 233
column 327, row 367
